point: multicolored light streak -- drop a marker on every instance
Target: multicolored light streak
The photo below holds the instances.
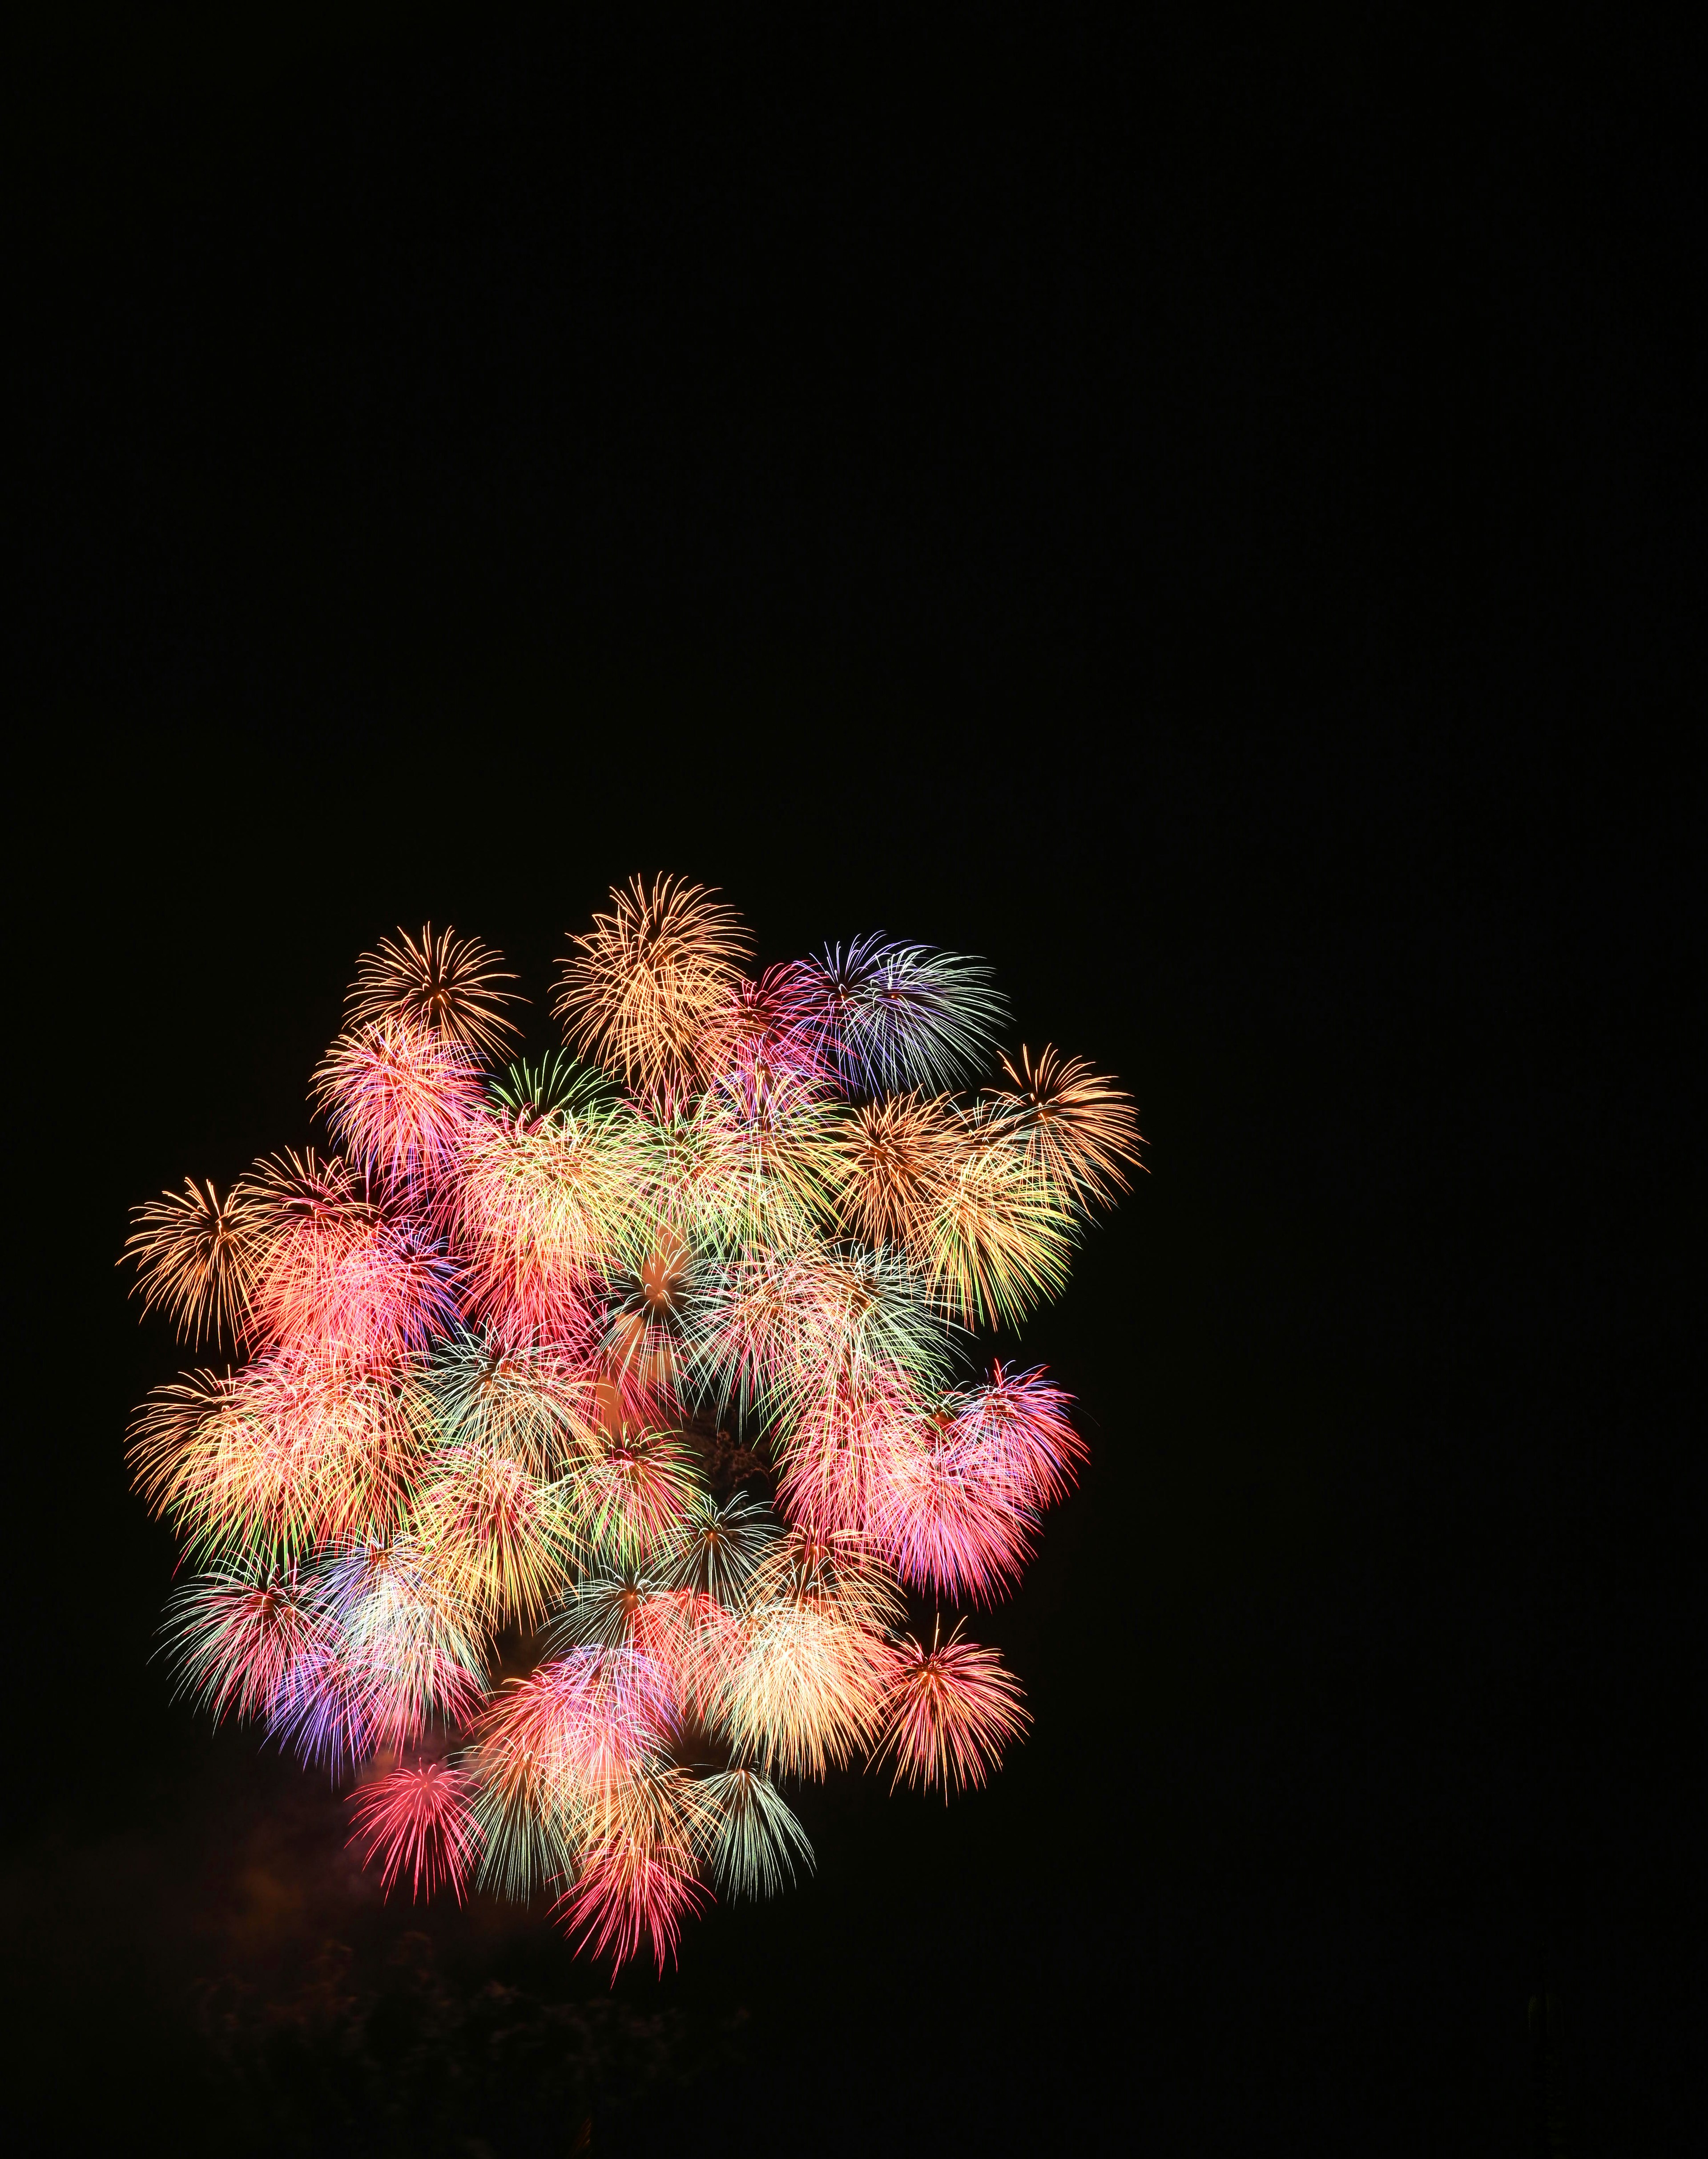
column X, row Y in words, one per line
column 505, row 1347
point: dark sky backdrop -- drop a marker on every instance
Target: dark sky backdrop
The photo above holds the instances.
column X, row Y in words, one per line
column 1196, row 519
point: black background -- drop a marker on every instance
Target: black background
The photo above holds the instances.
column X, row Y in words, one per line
column 1196, row 516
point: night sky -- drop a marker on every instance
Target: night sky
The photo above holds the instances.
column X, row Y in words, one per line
column 1194, row 519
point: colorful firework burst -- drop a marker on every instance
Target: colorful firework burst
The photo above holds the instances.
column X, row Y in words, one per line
column 648, row 1365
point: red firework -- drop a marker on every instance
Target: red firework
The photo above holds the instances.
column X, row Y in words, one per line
column 421, row 1819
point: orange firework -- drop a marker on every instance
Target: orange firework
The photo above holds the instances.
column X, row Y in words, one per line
column 1078, row 1130
column 901, row 1155
column 803, row 1688
column 645, row 992
column 447, row 983
column 196, row 1256
column 804, row 1683
column 211, row 1457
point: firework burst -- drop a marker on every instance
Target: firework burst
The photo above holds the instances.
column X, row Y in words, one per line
column 196, row 1257
column 237, row 1636
column 446, row 983
column 1078, row 1130
column 533, row 1349
column 421, row 1819
column 755, row 1842
column 885, row 1016
column 646, row 989
column 951, row 1709
column 400, row 1099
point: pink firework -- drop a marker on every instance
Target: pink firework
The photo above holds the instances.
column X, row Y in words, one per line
column 1018, row 1429
column 365, row 1288
column 240, row 1635
column 421, row 1819
column 312, row 1215
column 949, row 1520
column 400, row 1099
column 841, row 1464
column 951, row 1712
column 637, row 1883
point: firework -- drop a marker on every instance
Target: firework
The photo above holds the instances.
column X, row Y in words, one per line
column 447, row 983
column 901, row 1156
column 637, row 1876
column 491, row 1341
column 529, row 1401
column 237, row 1636
column 951, row 1709
column 646, row 989
column 839, row 1466
column 949, row 1520
column 421, row 1817
column 1016, row 1430
column 884, row 1015
column 554, row 1755
column 805, row 1685
column 311, row 1216
column 557, row 1085
column 195, row 1256
column 1000, row 1240
column 715, row 1549
column 1078, row 1129
column 404, row 1627
column 755, row 1840
column 770, row 1332
column 639, row 1486
column 505, row 1543
column 400, row 1098
column 541, row 1208
column 803, row 1688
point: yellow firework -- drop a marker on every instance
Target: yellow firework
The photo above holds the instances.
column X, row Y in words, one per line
column 544, row 1208
column 1001, row 1239
column 506, row 1542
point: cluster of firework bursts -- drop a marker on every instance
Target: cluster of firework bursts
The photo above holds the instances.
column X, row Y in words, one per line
column 638, row 1365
